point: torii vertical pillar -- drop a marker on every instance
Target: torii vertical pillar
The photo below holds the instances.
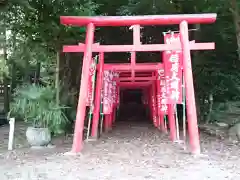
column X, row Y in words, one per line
column 98, row 96
column 81, row 109
column 190, row 95
column 172, row 123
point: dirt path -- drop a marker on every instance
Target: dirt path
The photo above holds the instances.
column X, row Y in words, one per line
column 127, row 153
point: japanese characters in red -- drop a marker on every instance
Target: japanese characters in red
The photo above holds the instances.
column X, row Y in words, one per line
column 173, row 70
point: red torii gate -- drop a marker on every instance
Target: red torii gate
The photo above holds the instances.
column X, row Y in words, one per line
column 89, row 47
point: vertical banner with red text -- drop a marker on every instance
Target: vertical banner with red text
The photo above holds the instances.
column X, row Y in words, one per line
column 91, row 79
column 118, row 96
column 110, row 91
column 162, row 98
column 173, row 70
column 106, row 93
column 115, row 91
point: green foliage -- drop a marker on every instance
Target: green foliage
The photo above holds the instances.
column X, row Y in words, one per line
column 37, row 105
column 37, row 35
column 226, row 112
column 68, row 96
column 4, row 72
column 4, row 69
column 39, row 20
column 26, row 54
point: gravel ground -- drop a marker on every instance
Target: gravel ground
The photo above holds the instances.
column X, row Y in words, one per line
column 127, row 153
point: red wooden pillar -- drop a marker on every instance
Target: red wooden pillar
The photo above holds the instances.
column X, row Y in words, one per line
column 111, row 119
column 162, row 123
column 81, row 109
column 98, row 96
column 190, row 96
column 107, row 122
column 171, row 121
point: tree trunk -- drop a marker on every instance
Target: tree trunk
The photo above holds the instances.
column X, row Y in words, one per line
column 57, row 81
column 37, row 73
column 13, row 67
column 236, row 20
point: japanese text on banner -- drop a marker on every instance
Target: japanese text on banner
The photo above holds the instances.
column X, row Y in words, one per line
column 106, row 93
column 162, row 97
column 91, row 77
column 173, row 70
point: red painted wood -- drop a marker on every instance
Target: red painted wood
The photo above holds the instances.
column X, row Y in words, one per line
column 144, row 67
column 136, row 78
column 134, row 87
column 172, row 123
column 134, row 84
column 141, row 20
column 137, row 74
column 139, row 48
column 138, row 70
column 136, row 41
column 190, row 95
column 160, row 115
column 98, row 96
column 81, row 108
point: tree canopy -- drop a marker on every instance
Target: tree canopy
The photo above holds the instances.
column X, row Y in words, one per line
column 36, row 35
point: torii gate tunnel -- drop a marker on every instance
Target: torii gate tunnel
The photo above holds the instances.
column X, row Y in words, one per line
column 146, row 76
